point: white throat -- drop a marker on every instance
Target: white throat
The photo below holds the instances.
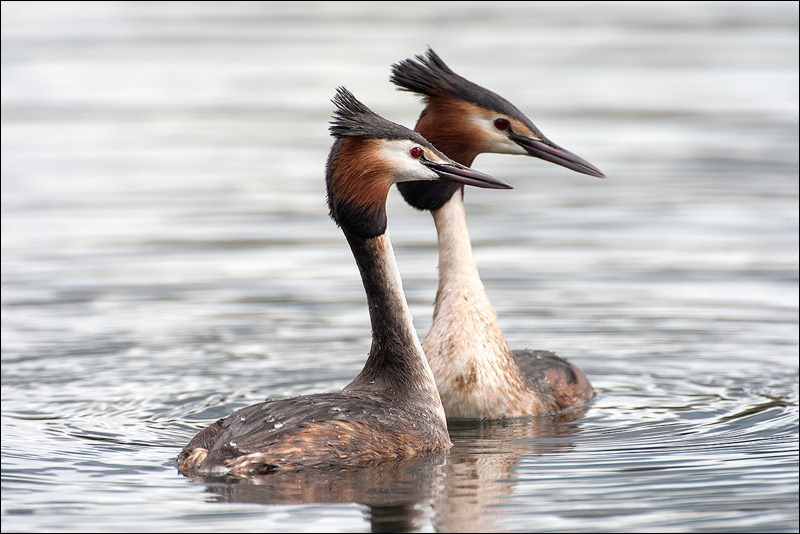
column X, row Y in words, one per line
column 475, row 371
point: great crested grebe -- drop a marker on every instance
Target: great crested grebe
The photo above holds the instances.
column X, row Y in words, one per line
column 477, row 374
column 392, row 408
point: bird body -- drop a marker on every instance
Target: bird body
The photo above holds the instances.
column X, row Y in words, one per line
column 478, row 376
column 392, row 408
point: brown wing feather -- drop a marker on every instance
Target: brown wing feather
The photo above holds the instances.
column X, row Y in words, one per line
column 342, row 429
column 560, row 384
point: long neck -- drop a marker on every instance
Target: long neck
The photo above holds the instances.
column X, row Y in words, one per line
column 456, row 262
column 461, row 305
column 396, row 363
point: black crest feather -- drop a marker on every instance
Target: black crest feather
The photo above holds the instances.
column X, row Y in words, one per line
column 428, row 75
column 353, row 119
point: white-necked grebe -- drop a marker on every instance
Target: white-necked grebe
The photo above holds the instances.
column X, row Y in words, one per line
column 477, row 374
column 392, row 408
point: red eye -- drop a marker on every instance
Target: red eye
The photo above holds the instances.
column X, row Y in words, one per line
column 416, row 152
column 501, row 124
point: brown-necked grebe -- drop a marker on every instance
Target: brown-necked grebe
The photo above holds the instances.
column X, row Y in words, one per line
column 392, row 408
column 477, row 374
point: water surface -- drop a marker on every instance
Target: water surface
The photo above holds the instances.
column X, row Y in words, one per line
column 167, row 258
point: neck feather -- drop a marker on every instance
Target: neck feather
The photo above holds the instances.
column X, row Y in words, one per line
column 357, row 188
column 464, row 326
column 456, row 262
column 396, row 363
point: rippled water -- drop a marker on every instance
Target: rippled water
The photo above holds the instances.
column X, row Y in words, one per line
column 167, row 258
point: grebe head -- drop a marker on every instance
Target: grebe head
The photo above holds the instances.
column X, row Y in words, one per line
column 465, row 119
column 369, row 155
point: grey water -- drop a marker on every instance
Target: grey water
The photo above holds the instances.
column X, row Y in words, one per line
column 167, row 258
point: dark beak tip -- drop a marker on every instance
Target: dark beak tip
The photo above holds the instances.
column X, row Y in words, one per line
column 491, row 185
column 548, row 151
column 465, row 175
column 495, row 184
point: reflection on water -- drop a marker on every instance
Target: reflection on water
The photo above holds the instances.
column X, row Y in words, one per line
column 454, row 492
column 481, row 468
column 167, row 258
column 397, row 494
